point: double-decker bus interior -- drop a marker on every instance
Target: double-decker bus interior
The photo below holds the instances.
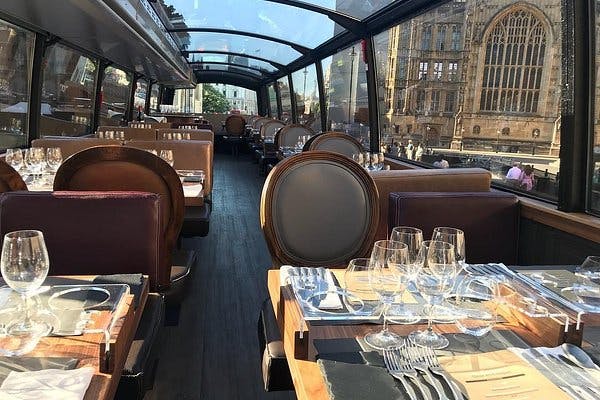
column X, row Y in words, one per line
column 224, row 139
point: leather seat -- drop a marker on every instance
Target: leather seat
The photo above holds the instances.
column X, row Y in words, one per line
column 10, row 179
column 337, row 142
column 289, row 134
column 317, row 209
column 490, row 220
column 85, row 235
column 425, row 180
column 129, row 169
column 71, row 145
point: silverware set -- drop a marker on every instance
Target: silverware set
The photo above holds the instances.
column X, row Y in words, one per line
column 411, row 363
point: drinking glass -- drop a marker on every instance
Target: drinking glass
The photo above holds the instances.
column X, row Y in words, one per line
column 454, row 236
column 14, row 158
column 413, row 238
column 386, row 280
column 24, row 265
column 367, row 161
column 356, row 282
column 35, row 159
column 358, row 157
column 53, row 158
column 589, row 271
column 167, row 155
column 435, row 279
column 476, row 301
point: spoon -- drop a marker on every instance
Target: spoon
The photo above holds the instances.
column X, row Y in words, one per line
column 578, row 356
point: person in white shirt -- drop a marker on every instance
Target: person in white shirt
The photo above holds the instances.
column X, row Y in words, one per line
column 419, row 152
column 513, row 175
column 409, row 150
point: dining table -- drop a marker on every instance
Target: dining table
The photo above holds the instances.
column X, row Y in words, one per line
column 306, row 341
column 104, row 351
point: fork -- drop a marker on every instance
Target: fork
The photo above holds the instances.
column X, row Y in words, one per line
column 434, row 366
column 400, row 370
column 417, row 360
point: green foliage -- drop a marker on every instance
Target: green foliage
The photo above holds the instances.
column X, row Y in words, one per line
column 214, row 101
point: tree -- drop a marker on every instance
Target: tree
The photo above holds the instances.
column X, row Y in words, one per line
column 214, row 101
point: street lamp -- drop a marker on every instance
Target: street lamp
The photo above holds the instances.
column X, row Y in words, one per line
column 497, row 140
column 534, row 134
column 352, row 54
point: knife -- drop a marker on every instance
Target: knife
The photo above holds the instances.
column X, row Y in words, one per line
column 573, row 391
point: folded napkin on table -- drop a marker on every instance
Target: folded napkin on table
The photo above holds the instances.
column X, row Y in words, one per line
column 499, row 374
column 47, row 384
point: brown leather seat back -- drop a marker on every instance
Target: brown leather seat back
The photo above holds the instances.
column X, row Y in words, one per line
column 318, row 209
column 235, row 125
column 10, row 180
column 90, row 232
column 128, row 169
column 70, row 146
column 490, row 220
column 337, row 142
column 289, row 134
column 269, row 128
column 426, row 180
column 130, row 132
column 194, row 134
column 188, row 154
column 259, row 122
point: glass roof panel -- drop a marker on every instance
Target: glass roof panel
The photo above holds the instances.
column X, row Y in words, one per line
column 360, row 9
column 229, row 68
column 280, row 21
column 232, row 59
column 212, row 41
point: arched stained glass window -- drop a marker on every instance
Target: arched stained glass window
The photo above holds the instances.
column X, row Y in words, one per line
column 514, row 63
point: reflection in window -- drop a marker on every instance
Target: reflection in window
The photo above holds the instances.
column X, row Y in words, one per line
column 346, row 90
column 286, row 100
column 273, row 101
column 445, row 111
column 69, row 81
column 115, row 96
column 139, row 97
column 16, row 57
column 154, row 92
column 307, row 97
column 514, row 64
column 426, row 38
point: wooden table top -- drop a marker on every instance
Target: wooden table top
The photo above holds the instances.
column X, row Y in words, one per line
column 298, row 336
column 88, row 348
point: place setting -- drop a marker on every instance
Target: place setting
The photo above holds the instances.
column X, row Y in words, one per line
column 408, row 282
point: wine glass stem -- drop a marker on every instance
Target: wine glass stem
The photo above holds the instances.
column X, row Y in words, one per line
column 386, row 307
column 430, row 317
column 27, row 321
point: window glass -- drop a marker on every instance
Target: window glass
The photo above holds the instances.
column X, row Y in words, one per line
column 16, row 58
column 594, row 203
column 273, row 101
column 189, row 101
column 116, row 88
column 239, row 100
column 479, row 90
column 306, row 28
column 356, row 8
column 139, row 97
column 307, row 97
column 207, row 57
column 154, row 92
column 286, row 101
column 346, row 93
column 69, row 81
column 213, row 41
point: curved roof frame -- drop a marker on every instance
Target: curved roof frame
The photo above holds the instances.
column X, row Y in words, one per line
column 277, row 65
column 299, row 48
column 262, row 71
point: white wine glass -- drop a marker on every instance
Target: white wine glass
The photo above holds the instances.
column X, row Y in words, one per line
column 24, row 264
column 435, row 279
column 356, row 282
column 386, row 281
column 454, row 236
column 54, row 158
column 14, row 158
column 589, row 271
column 476, row 300
column 167, row 155
column 413, row 238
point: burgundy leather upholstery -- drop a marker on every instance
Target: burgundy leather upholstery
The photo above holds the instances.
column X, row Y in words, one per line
column 91, row 232
column 490, row 220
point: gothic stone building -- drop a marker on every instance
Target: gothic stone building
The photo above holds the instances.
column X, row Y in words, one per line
column 477, row 74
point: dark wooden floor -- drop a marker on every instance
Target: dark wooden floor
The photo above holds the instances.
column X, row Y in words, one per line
column 213, row 353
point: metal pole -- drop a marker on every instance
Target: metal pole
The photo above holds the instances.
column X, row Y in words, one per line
column 352, row 55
